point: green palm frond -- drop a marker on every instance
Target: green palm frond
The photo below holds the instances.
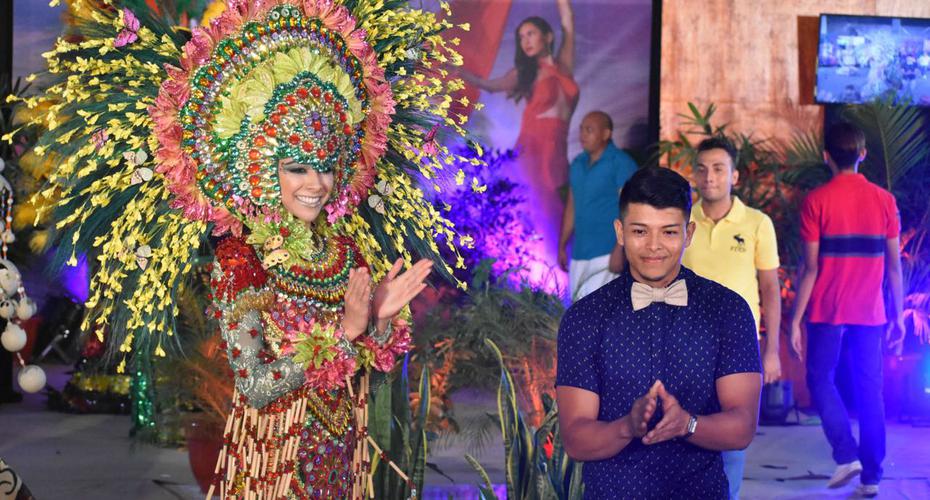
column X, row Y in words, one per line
column 804, row 148
column 803, row 161
column 896, row 139
column 700, row 122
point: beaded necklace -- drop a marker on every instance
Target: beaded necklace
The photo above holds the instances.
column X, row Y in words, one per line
column 320, row 283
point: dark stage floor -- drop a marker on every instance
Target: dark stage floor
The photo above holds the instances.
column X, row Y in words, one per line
column 64, row 456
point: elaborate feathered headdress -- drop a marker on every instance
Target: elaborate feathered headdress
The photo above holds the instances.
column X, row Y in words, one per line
column 159, row 141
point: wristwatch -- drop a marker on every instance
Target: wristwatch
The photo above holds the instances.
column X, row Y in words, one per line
column 692, row 426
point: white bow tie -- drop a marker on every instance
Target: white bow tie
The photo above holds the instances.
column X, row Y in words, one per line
column 643, row 295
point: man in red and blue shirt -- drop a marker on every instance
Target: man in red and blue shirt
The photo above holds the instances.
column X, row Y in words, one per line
column 850, row 229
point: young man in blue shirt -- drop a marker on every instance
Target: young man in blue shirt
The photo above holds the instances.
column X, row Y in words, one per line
column 595, row 179
column 659, row 370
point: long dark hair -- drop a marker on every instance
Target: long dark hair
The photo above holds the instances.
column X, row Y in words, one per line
column 527, row 67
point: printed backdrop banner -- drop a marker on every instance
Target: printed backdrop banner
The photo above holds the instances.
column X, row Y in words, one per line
column 608, row 70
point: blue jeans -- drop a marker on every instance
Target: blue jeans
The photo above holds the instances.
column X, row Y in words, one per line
column 863, row 343
column 734, row 462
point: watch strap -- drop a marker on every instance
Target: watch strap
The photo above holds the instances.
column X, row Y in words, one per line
column 692, row 426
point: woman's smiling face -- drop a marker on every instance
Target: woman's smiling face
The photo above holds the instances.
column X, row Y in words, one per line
column 304, row 191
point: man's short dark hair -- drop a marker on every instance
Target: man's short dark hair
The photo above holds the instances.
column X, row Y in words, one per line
column 844, row 141
column 719, row 143
column 657, row 187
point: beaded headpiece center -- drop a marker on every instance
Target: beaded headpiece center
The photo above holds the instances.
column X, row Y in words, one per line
column 294, row 84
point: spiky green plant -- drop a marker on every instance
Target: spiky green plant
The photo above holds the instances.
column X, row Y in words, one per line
column 401, row 434
column 535, row 463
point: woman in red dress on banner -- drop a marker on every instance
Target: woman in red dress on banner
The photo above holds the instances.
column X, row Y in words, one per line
column 544, row 79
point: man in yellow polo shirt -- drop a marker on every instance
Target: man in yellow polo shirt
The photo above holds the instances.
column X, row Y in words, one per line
column 735, row 246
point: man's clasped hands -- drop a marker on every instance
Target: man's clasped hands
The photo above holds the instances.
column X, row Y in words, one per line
column 674, row 423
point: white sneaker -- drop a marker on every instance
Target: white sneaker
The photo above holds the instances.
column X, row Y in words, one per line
column 867, row 490
column 844, row 474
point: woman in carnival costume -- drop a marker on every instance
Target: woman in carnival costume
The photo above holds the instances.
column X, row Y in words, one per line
column 295, row 130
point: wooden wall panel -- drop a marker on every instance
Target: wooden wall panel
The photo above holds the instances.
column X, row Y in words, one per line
column 743, row 55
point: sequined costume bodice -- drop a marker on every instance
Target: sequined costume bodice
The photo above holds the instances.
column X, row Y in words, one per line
column 309, row 408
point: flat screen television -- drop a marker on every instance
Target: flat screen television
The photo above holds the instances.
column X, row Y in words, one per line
column 863, row 58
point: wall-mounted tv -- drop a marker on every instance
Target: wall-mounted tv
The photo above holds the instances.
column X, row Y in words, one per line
column 863, row 58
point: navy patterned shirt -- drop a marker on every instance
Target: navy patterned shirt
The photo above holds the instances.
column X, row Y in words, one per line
column 607, row 348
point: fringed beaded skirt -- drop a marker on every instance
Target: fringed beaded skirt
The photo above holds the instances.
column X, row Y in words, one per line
column 302, row 446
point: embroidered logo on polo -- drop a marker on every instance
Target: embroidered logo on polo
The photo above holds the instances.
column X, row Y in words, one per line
column 740, row 244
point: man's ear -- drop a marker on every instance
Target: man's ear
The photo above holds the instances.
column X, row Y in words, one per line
column 689, row 233
column 618, row 229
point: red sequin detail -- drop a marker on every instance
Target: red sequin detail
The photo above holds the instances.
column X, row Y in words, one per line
column 265, row 357
column 241, row 269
